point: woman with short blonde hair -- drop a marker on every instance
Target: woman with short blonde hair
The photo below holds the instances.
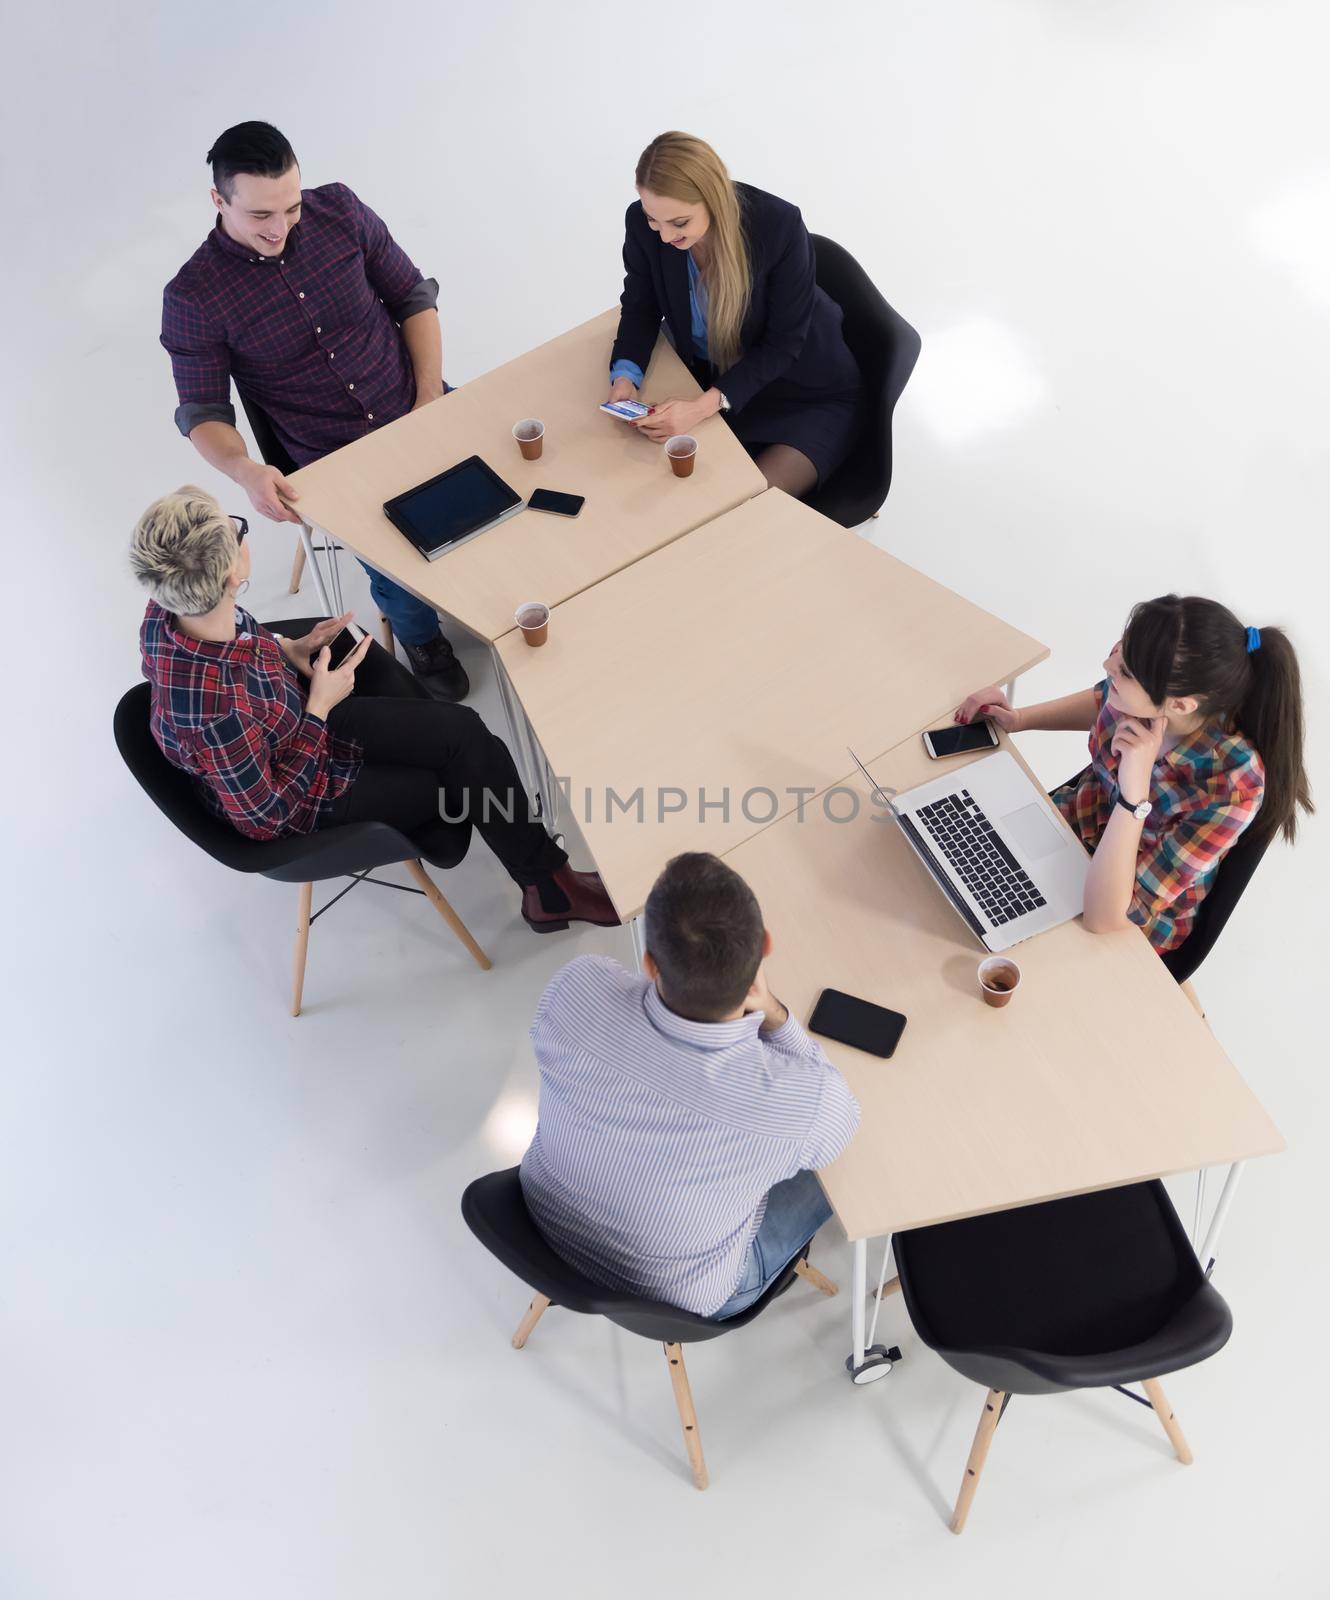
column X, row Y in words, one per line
column 279, row 740
column 730, row 270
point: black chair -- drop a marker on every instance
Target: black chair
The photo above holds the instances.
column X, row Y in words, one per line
column 886, row 348
column 1096, row 1291
column 353, row 850
column 496, row 1213
column 1232, row 876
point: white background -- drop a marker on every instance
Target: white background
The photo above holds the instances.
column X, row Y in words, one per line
column 246, row 1345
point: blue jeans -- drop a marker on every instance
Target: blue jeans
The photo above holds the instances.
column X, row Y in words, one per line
column 413, row 621
column 796, row 1209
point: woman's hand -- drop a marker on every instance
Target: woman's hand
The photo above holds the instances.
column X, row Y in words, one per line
column 1136, row 744
column 677, row 416
column 329, row 685
column 993, row 704
column 301, row 652
column 623, row 389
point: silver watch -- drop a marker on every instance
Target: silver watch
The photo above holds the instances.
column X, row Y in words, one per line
column 724, row 403
column 1140, row 812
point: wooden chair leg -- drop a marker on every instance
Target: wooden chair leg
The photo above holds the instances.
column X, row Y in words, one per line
column 819, row 1280
column 534, row 1312
column 892, row 1286
column 386, row 634
column 683, row 1398
column 302, row 945
column 978, row 1452
column 1157, row 1398
column 297, row 567
column 449, row 915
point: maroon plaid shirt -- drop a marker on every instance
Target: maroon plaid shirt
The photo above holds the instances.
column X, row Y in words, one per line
column 233, row 716
column 312, row 336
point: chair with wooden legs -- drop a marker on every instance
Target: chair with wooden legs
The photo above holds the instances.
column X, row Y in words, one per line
column 1097, row 1291
column 496, row 1213
column 352, row 851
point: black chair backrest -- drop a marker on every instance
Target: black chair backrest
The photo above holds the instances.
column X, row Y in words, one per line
column 1232, row 876
column 265, row 437
column 495, row 1210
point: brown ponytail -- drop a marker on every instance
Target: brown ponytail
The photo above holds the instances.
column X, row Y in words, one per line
column 1177, row 646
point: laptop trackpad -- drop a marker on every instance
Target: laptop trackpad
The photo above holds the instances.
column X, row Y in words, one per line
column 1032, row 831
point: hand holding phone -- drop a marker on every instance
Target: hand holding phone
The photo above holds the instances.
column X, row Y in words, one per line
column 627, row 410
column 346, row 641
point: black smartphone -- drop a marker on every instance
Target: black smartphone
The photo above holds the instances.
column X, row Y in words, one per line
column 857, row 1022
column 961, row 738
column 562, row 505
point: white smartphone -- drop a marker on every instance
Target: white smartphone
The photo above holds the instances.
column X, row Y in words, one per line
column 960, row 739
column 626, row 410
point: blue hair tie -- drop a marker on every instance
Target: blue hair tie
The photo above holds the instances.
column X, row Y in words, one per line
column 1253, row 639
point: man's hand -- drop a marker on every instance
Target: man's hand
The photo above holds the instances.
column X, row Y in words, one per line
column 266, row 488
column 425, row 397
column 677, row 416
column 300, row 652
column 760, row 998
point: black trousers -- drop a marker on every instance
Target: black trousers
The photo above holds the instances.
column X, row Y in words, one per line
column 423, row 757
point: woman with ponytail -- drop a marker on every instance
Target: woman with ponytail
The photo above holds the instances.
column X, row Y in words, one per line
column 1196, row 736
column 730, row 270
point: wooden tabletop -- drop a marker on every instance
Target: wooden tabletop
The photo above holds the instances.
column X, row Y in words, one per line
column 1097, row 1073
column 740, row 661
column 634, row 504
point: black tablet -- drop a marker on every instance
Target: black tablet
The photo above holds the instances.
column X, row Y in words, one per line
column 456, row 505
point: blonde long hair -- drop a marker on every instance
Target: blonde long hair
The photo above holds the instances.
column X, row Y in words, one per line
column 678, row 166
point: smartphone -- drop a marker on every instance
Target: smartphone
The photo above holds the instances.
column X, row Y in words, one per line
column 961, row 738
column 562, row 505
column 626, row 410
column 345, row 642
column 857, row 1022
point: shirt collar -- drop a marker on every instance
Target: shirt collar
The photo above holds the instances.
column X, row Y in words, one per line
column 242, row 252
column 700, row 1035
column 207, row 649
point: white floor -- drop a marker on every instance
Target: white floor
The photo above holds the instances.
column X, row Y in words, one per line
column 246, row 1344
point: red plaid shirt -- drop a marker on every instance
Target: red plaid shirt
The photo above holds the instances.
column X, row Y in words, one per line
column 1203, row 793
column 311, row 337
column 233, row 716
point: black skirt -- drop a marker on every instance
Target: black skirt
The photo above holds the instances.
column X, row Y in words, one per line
column 821, row 426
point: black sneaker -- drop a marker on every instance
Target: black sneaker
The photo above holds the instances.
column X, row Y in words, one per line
column 439, row 669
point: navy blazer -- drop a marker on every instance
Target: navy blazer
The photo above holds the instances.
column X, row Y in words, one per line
column 791, row 341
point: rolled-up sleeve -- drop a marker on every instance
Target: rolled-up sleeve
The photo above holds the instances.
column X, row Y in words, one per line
column 395, row 277
column 200, row 364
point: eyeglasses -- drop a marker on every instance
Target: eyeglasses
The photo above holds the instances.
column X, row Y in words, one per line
column 242, row 527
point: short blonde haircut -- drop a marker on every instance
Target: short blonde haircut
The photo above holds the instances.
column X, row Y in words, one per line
column 183, row 548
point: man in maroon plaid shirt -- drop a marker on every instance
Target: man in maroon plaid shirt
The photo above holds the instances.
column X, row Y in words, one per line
column 323, row 321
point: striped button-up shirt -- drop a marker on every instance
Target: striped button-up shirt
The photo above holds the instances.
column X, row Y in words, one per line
column 658, row 1138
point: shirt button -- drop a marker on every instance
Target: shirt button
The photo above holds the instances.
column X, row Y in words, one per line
column 302, row 294
column 371, row 416
column 318, row 330
column 350, row 385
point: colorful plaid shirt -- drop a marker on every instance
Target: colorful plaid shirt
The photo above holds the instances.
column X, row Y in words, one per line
column 233, row 716
column 1203, row 793
column 311, row 337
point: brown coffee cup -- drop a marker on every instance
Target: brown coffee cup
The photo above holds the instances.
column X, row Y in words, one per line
column 533, row 618
column 681, row 451
column 530, row 436
column 999, row 979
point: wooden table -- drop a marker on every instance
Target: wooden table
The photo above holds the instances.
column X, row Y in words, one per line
column 983, row 1109
column 741, row 661
column 634, row 504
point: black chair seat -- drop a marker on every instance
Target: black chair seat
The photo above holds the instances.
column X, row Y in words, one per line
column 1093, row 1290
column 495, row 1210
column 886, row 348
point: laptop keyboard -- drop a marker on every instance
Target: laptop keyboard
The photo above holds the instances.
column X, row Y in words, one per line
column 964, row 835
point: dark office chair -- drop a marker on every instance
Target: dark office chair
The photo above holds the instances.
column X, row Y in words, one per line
column 352, row 850
column 1232, row 876
column 1096, row 1291
column 886, row 348
column 496, row 1213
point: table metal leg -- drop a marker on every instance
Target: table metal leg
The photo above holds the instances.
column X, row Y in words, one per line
column 312, row 562
column 637, row 926
column 1210, row 1248
column 866, row 1362
column 1199, row 1213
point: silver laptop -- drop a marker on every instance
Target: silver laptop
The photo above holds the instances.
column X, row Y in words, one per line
column 996, row 846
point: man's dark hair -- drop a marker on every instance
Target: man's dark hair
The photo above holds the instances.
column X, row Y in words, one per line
column 704, row 930
column 253, row 147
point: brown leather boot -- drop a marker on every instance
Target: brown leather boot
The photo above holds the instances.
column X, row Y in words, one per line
column 573, row 897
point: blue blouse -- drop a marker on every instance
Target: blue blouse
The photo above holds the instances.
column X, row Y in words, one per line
column 697, row 305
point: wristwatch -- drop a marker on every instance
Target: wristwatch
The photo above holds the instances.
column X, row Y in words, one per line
column 724, row 403
column 1140, row 812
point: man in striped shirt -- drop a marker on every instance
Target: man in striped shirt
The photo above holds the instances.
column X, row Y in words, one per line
column 682, row 1112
